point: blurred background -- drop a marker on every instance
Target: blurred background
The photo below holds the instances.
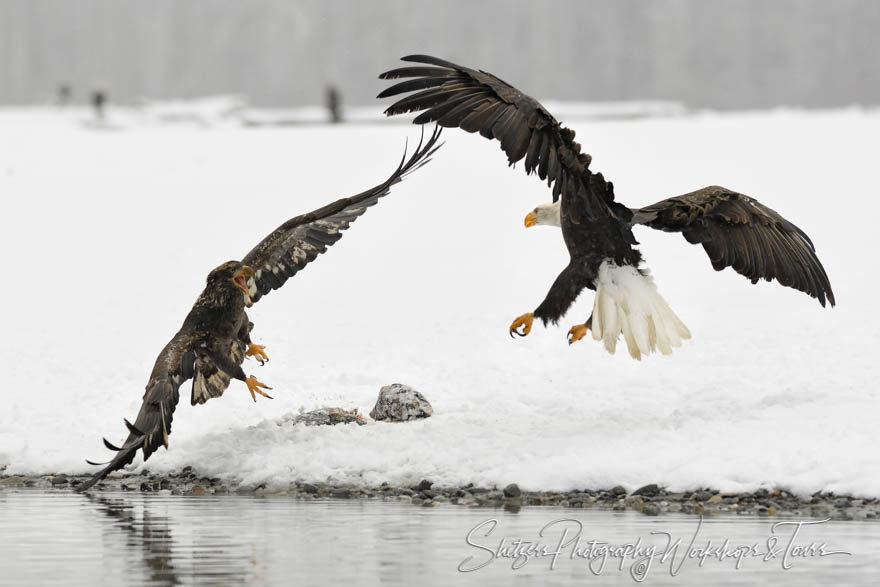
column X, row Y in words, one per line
column 747, row 54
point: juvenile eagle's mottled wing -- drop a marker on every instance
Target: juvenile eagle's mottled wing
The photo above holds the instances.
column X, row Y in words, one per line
column 738, row 231
column 152, row 426
column 477, row 101
column 297, row 242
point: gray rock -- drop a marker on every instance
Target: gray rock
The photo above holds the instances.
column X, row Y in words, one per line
column 400, row 403
column 422, row 485
column 618, row 490
column 13, row 481
column 651, row 509
column 703, row 495
column 512, row 490
column 649, row 490
column 323, row 417
column 634, row 501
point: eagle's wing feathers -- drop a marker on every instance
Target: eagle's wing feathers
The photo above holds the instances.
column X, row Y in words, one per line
column 477, row 101
column 152, row 426
column 593, row 224
column 297, row 242
column 738, row 231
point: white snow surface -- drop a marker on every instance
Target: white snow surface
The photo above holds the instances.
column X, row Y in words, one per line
column 110, row 231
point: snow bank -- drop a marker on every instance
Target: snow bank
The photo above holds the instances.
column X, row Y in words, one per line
column 109, row 237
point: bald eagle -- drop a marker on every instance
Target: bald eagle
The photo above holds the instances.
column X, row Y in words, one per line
column 215, row 337
column 735, row 230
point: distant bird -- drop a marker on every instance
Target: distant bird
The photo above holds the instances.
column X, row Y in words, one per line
column 64, row 94
column 334, row 105
column 99, row 103
column 735, row 230
column 215, row 337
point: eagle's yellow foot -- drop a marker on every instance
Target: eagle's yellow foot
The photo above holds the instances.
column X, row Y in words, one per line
column 254, row 387
column 577, row 332
column 525, row 321
column 257, row 350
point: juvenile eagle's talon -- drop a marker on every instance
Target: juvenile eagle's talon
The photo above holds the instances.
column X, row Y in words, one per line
column 525, row 321
column 254, row 387
column 576, row 333
column 258, row 351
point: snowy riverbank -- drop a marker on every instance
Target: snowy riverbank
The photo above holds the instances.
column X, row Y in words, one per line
column 111, row 234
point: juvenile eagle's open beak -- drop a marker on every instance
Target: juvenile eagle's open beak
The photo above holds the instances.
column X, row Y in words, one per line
column 243, row 278
column 531, row 219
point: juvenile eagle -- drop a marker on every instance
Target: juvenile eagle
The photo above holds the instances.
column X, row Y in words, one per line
column 735, row 230
column 215, row 337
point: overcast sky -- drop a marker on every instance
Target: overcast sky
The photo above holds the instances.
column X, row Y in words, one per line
column 743, row 54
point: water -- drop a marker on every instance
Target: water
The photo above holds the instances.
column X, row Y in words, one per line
column 55, row 538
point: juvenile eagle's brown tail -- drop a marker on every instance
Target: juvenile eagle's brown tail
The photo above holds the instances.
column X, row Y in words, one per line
column 149, row 431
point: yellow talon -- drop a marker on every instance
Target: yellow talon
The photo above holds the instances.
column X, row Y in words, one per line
column 257, row 350
column 525, row 321
column 576, row 333
column 254, row 387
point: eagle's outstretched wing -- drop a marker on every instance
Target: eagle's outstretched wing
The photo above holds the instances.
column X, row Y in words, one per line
column 153, row 423
column 297, row 242
column 477, row 101
column 738, row 231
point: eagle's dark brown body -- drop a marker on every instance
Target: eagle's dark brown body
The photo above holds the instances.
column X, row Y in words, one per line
column 210, row 345
column 213, row 341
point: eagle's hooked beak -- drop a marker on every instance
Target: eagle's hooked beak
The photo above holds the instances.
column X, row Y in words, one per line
column 244, row 280
column 531, row 218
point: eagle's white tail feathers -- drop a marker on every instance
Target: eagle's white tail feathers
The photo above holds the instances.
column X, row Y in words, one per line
column 627, row 302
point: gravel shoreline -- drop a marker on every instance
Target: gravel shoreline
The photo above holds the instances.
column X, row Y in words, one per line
column 650, row 500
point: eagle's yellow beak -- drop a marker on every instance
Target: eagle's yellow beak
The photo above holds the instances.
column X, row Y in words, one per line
column 243, row 278
column 531, row 219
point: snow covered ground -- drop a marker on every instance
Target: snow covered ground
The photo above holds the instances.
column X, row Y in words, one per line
column 109, row 233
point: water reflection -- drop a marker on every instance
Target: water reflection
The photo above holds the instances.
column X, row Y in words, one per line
column 56, row 538
column 149, row 534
